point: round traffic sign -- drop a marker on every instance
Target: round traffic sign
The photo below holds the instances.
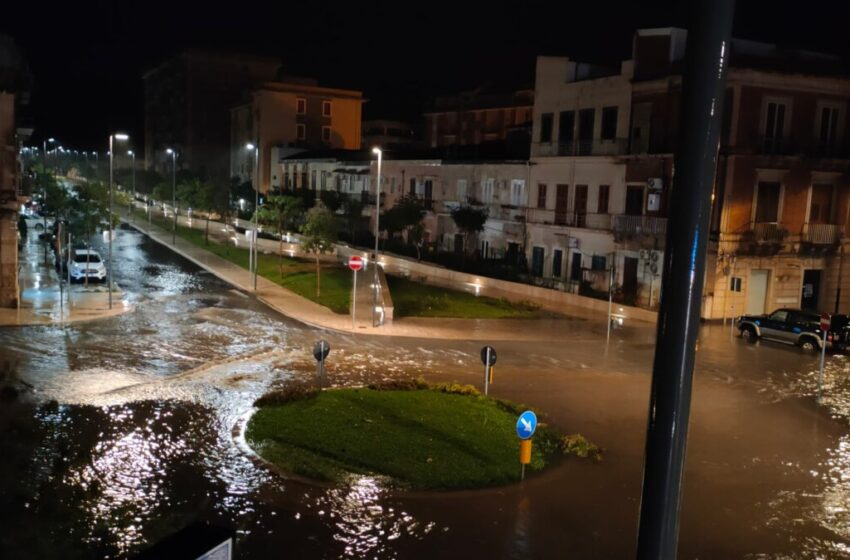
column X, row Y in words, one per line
column 321, row 350
column 825, row 322
column 355, row 262
column 488, row 359
column 526, row 424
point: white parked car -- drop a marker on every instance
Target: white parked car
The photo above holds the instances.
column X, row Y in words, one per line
column 86, row 263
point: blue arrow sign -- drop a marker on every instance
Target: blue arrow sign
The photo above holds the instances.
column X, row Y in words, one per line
column 526, row 424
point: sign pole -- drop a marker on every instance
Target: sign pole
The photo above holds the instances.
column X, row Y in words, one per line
column 487, row 374
column 610, row 302
column 354, row 302
column 825, row 323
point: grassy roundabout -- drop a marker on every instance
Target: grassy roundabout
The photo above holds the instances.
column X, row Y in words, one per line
column 440, row 437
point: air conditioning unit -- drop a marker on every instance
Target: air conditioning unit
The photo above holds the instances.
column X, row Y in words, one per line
column 654, row 184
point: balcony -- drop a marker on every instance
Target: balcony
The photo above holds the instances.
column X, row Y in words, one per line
column 821, row 234
column 769, row 232
column 569, row 219
column 639, row 225
column 612, row 147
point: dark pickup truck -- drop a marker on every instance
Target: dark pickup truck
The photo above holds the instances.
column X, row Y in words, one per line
column 794, row 326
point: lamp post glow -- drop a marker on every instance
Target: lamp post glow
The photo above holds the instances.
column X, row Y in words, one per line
column 173, row 154
column 112, row 137
column 256, row 183
column 375, row 283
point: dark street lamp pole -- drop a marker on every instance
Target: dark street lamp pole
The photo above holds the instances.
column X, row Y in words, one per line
column 173, row 154
column 703, row 84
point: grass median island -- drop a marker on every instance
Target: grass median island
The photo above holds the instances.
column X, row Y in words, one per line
column 414, row 299
column 448, row 437
column 298, row 275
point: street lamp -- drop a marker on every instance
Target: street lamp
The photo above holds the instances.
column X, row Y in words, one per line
column 375, row 283
column 173, row 154
column 44, row 190
column 132, row 155
column 120, row 137
column 252, row 258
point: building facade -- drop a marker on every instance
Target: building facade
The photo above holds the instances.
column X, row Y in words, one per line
column 187, row 108
column 285, row 117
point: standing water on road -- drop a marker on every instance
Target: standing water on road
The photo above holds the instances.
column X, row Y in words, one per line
column 124, row 433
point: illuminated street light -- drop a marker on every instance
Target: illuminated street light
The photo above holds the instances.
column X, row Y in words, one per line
column 120, row 137
column 173, row 154
column 256, row 184
column 377, row 151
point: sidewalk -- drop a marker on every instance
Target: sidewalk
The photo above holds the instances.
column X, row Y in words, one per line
column 315, row 315
column 44, row 301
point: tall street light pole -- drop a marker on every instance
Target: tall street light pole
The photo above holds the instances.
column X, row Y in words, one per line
column 109, row 276
column 173, row 154
column 375, row 282
column 44, row 190
column 253, row 248
column 132, row 155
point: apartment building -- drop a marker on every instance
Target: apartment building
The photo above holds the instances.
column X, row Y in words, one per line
column 187, row 107
column 284, row 117
column 781, row 194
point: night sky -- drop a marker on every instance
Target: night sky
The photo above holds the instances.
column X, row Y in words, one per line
column 87, row 58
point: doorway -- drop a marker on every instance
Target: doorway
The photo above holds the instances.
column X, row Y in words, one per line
column 757, row 292
column 630, row 281
column 634, row 200
column 809, row 299
column 562, row 193
column 575, row 267
column 580, row 206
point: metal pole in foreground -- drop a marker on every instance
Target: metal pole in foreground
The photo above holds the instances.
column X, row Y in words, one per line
column 174, row 196
column 684, row 274
column 354, row 302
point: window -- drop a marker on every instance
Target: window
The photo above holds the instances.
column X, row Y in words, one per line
column 557, row 263
column 599, row 262
column 609, row 123
column 326, row 134
column 461, row 190
column 300, row 131
column 517, row 192
column 537, row 254
column 546, row 127
column 326, row 108
column 487, row 190
column 313, row 179
column 602, row 202
column 301, row 106
column 735, row 284
column 828, row 128
column 767, row 202
column 541, row 196
column 779, row 316
column 585, row 124
column 566, row 124
column 774, row 126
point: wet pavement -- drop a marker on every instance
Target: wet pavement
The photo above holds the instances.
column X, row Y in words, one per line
column 123, row 433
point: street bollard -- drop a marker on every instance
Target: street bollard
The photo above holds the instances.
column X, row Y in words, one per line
column 488, row 358
column 320, row 352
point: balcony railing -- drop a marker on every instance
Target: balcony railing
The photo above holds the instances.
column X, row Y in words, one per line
column 640, row 225
column 569, row 219
column 822, row 234
column 612, row 147
column 769, row 232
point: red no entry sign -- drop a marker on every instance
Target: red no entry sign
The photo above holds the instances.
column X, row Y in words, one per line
column 825, row 321
column 355, row 263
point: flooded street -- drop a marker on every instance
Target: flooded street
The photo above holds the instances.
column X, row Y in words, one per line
column 125, row 433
